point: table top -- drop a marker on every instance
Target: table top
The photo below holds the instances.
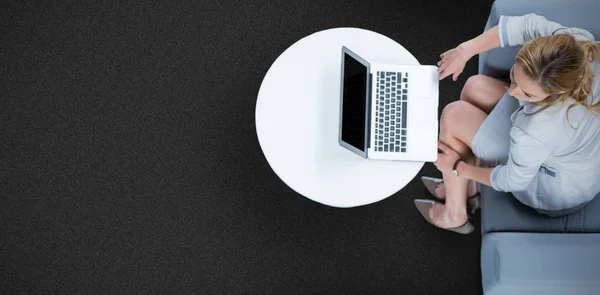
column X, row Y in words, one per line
column 297, row 119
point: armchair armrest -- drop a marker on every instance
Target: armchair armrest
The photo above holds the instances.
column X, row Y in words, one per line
column 540, row 263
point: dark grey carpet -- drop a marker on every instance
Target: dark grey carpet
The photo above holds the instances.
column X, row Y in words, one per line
column 129, row 161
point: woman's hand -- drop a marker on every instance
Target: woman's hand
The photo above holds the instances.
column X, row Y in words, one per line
column 453, row 62
column 446, row 158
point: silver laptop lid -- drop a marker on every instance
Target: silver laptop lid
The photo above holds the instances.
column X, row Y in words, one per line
column 354, row 103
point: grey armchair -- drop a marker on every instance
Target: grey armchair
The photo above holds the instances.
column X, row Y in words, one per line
column 524, row 252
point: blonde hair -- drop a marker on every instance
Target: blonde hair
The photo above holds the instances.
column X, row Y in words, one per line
column 561, row 66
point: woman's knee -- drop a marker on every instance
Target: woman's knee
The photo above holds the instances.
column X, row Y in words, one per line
column 452, row 112
column 450, row 123
column 453, row 109
column 473, row 86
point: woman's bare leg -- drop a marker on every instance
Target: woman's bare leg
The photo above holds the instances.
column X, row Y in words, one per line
column 483, row 92
column 458, row 125
column 460, row 120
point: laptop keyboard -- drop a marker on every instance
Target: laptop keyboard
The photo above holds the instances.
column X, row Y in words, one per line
column 390, row 112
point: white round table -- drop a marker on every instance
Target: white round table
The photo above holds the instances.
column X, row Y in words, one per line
column 297, row 119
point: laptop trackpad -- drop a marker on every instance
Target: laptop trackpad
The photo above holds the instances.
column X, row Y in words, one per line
column 424, row 83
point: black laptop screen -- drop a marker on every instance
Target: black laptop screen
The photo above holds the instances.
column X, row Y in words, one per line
column 354, row 103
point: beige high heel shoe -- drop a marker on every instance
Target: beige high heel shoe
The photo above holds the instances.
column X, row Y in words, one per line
column 473, row 203
column 424, row 205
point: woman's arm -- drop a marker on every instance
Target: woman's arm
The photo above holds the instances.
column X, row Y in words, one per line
column 526, row 155
column 489, row 40
column 448, row 157
column 478, row 174
column 453, row 61
column 511, row 31
column 516, row 30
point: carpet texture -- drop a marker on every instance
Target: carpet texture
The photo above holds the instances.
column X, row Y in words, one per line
column 129, row 162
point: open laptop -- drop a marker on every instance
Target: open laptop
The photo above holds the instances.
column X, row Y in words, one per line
column 388, row 111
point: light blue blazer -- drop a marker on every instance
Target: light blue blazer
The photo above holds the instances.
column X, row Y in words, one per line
column 552, row 164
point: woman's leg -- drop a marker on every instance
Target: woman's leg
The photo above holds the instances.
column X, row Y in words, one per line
column 458, row 125
column 483, row 92
column 460, row 120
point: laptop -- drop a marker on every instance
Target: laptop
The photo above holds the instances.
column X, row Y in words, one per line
column 388, row 111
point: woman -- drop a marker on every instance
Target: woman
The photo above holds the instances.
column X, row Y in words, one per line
column 539, row 140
